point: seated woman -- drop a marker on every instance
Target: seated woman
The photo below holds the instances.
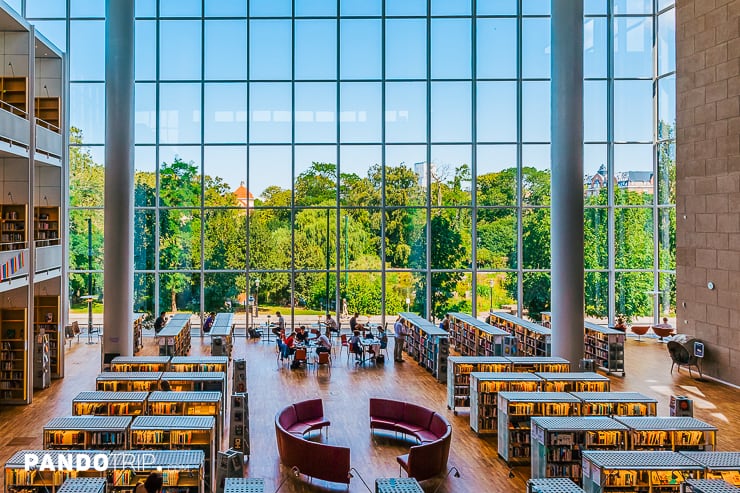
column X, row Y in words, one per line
column 354, row 345
column 287, row 344
column 324, row 344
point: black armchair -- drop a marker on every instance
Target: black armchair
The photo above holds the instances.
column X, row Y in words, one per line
column 682, row 355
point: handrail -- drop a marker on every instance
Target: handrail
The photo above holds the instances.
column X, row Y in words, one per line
column 13, row 109
column 50, row 126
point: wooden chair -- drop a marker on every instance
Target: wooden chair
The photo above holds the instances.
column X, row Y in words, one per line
column 323, row 359
column 345, row 344
column 300, row 356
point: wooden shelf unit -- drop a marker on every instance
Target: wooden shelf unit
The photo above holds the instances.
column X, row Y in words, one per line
column 484, row 389
column 552, row 485
column 87, row 432
column 48, row 109
column 13, row 227
column 142, row 364
column 199, row 363
column 181, row 470
column 551, row 364
column 135, row 381
column 616, row 404
column 472, row 337
column 47, row 316
column 427, row 344
column 14, row 92
column 178, row 433
column 139, row 319
column 223, row 328
column 174, row 338
column 46, row 231
column 514, row 412
column 187, row 404
column 718, row 465
column 672, row 433
column 102, row 403
column 574, row 382
column 197, row 381
column 15, row 380
column 635, row 471
column 557, row 443
column 19, row 480
column 708, row 486
column 459, row 369
column 532, row 339
column 605, row 346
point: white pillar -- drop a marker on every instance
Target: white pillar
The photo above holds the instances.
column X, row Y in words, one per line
column 567, row 180
column 119, row 177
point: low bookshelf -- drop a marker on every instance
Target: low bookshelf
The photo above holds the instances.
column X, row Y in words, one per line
column 46, row 228
column 146, row 364
column 187, row 404
column 174, row 338
column 46, row 318
column 708, row 486
column 475, row 338
column 14, row 375
column 557, row 443
column 636, row 471
column 199, row 363
column 84, row 485
column 134, row 381
column 178, row 433
column 87, row 432
column 718, row 465
column 616, row 404
column 20, row 480
column 484, row 390
column 573, row 382
column 551, row 364
column 197, row 381
column 532, row 339
column 552, row 485
column 459, row 369
column 669, row 433
column 106, row 403
column 181, row 470
column 605, row 346
column 515, row 409
column 427, row 344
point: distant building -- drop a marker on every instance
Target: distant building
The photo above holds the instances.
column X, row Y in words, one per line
column 244, row 197
column 632, row 181
column 420, row 169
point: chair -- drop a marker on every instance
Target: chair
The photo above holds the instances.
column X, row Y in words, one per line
column 663, row 331
column 640, row 330
column 682, row 357
column 323, row 359
column 345, row 344
column 300, row 356
column 280, row 358
column 384, row 345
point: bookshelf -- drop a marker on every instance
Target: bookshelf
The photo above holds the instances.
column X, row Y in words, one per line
column 246, row 485
column 41, row 376
column 48, row 110
column 550, row 364
column 514, row 412
column 707, row 486
column 177, row 433
column 616, row 404
column 634, row 471
column 84, row 485
column 532, row 339
column 14, row 380
column 669, row 433
column 459, row 369
column 46, row 226
column 198, row 381
column 427, row 344
column 484, row 389
column 19, row 480
column 14, row 92
column 174, row 338
column 135, row 381
column 573, row 382
column 181, row 470
column 146, row 364
column 87, row 432
column 718, row 465
column 552, row 485
column 605, row 346
column 187, row 404
column 199, row 363
column 557, row 443
column 46, row 316
column 472, row 337
column 224, row 334
column 103, row 403
column 12, row 226
column 139, row 319
column 546, row 319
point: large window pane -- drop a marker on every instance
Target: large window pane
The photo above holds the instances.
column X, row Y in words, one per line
column 179, row 8
column 597, row 181
column 495, row 290
column 145, row 118
column 269, row 239
column 405, row 175
column 270, row 49
column 315, row 233
column 271, row 113
column 667, row 173
column 226, row 49
column 359, row 239
column 633, row 166
column 145, row 166
column 451, row 292
column 179, row 113
column 270, row 8
column 451, row 50
column 315, row 8
column 360, row 115
column 536, row 292
column 87, row 176
column 633, row 299
column 362, row 291
column 87, row 50
column 496, row 111
column 450, row 7
column 405, row 49
column 497, row 7
column 78, row 239
column 316, row 49
column 536, row 48
column 497, row 175
column 594, row 111
column 179, row 177
column 450, row 112
column 143, row 293
column 594, row 47
column 496, row 48
column 405, row 112
column 595, row 229
column 536, row 111
column 497, row 239
column 667, row 238
column 667, row 107
column 405, row 7
column 667, row 42
column 596, row 286
column 225, row 113
column 360, row 176
column 632, row 6
column 179, row 239
column 45, row 8
column 315, row 112
column 360, row 49
column 225, row 233
column 223, row 287
column 633, row 238
column 144, row 225
column 451, row 175
column 405, row 238
column 361, row 7
column 536, row 238
column 87, row 111
column 633, row 47
column 225, row 170
column 536, row 174
column 179, row 50
column 145, row 60
column 179, row 291
column 633, row 110
column 271, row 175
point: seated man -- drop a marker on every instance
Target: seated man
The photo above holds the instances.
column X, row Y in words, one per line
column 331, row 325
column 355, row 346
column 301, row 335
column 209, row 322
column 324, row 344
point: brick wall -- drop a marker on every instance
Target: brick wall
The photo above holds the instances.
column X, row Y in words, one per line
column 708, row 179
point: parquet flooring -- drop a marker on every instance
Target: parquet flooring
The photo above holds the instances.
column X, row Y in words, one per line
column 346, row 390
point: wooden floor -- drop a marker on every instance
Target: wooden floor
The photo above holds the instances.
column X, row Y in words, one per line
column 345, row 392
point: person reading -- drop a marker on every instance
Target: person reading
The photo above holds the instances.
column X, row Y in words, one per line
column 160, row 322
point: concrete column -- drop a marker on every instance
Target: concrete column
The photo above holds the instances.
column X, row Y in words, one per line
column 119, row 177
column 567, row 180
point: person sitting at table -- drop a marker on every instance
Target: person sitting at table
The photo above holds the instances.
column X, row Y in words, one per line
column 354, row 325
column 324, row 344
column 373, row 345
column 355, row 346
column 287, row 347
column 208, row 323
column 301, row 335
column 331, row 325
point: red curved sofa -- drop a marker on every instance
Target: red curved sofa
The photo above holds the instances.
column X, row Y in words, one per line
column 318, row 460
column 434, row 432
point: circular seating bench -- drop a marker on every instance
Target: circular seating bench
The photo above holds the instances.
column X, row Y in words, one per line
column 432, row 430
column 318, row 460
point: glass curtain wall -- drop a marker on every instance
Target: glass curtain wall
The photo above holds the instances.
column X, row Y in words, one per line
column 295, row 154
